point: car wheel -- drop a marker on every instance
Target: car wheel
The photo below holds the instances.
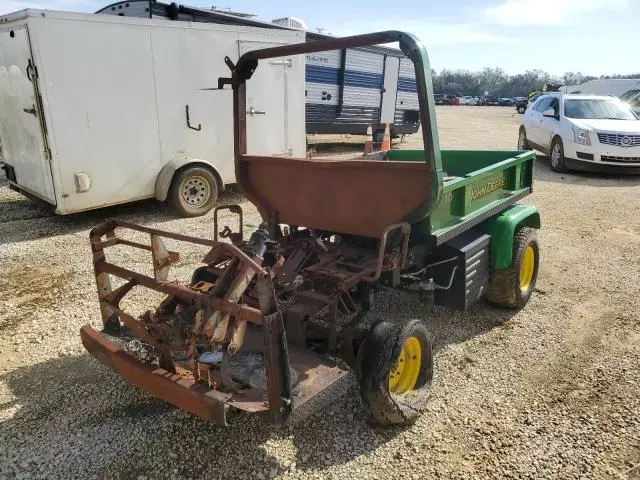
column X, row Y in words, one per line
column 194, row 191
column 556, row 156
column 523, row 143
column 522, row 109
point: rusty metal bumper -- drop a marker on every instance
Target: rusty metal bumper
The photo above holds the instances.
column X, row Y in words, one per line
column 313, row 375
column 179, row 391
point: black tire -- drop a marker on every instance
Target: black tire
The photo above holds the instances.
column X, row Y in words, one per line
column 506, row 288
column 522, row 109
column 523, row 143
column 194, row 191
column 557, row 160
column 377, row 358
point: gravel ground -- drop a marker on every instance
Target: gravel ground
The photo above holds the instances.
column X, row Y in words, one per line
column 548, row 392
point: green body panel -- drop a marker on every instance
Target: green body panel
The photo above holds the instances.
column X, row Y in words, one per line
column 502, row 229
column 475, row 182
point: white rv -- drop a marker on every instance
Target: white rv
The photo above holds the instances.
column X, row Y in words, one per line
column 98, row 110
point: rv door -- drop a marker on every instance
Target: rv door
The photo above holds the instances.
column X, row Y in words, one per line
column 267, row 128
column 389, row 90
column 22, row 124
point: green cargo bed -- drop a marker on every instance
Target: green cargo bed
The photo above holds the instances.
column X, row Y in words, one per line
column 476, row 186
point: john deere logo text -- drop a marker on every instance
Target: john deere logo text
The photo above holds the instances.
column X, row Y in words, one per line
column 490, row 186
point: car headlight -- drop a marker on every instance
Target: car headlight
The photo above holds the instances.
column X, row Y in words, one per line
column 581, row 136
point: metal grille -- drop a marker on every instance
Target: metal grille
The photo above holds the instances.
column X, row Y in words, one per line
column 619, row 139
column 612, row 158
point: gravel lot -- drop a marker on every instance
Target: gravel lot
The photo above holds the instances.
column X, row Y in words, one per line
column 550, row 392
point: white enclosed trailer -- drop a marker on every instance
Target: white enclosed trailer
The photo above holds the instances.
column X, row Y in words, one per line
column 98, row 110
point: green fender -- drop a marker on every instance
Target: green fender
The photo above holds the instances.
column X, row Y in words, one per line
column 502, row 229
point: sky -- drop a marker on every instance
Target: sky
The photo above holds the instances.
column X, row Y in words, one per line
column 595, row 37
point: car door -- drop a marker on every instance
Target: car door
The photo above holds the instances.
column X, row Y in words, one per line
column 549, row 125
column 533, row 118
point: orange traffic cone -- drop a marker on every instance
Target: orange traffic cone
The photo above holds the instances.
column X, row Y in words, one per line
column 368, row 144
column 386, row 140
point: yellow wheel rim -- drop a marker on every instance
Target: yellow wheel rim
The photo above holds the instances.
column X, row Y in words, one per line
column 527, row 268
column 405, row 372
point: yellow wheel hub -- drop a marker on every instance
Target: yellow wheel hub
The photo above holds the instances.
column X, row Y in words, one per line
column 527, row 268
column 405, row 372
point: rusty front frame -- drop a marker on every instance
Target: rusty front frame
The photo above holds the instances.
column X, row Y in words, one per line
column 169, row 381
column 110, row 299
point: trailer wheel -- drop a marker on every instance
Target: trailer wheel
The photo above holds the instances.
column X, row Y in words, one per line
column 394, row 370
column 194, row 192
column 513, row 286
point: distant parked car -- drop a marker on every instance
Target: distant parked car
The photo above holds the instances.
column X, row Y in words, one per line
column 521, row 104
column 491, row 100
column 440, row 98
column 452, row 100
column 583, row 132
column 467, row 100
column 506, row 102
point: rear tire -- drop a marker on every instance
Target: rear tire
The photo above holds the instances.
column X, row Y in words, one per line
column 522, row 109
column 513, row 286
column 523, row 143
column 556, row 156
column 194, row 191
column 394, row 370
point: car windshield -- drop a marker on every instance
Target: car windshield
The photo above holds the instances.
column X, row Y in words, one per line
column 597, row 109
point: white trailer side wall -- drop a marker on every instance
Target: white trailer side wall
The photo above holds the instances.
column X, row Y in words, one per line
column 114, row 92
column 97, row 84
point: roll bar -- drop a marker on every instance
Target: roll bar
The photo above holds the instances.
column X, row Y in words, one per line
column 410, row 46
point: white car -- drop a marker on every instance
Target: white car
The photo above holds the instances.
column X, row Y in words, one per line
column 583, row 132
column 467, row 100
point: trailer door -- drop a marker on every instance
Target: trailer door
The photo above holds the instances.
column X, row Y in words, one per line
column 22, row 125
column 389, row 90
column 267, row 126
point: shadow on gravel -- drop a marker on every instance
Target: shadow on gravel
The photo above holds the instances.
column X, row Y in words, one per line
column 73, row 418
column 340, row 433
column 574, row 177
column 25, row 220
column 91, row 422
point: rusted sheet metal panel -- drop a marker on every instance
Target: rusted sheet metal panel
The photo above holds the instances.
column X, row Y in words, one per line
column 343, row 203
column 175, row 389
column 276, row 353
column 358, row 197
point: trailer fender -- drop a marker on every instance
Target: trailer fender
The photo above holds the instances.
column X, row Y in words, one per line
column 502, row 230
column 163, row 181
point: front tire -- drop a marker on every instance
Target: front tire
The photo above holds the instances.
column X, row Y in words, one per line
column 522, row 109
column 523, row 143
column 194, row 191
column 394, row 370
column 513, row 286
column 556, row 156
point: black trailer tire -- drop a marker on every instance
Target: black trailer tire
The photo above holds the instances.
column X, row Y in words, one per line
column 513, row 286
column 394, row 392
column 194, row 192
column 522, row 109
column 523, row 143
column 556, row 156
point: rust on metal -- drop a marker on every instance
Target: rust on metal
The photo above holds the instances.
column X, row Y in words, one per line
column 220, row 339
column 341, row 196
column 176, row 389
